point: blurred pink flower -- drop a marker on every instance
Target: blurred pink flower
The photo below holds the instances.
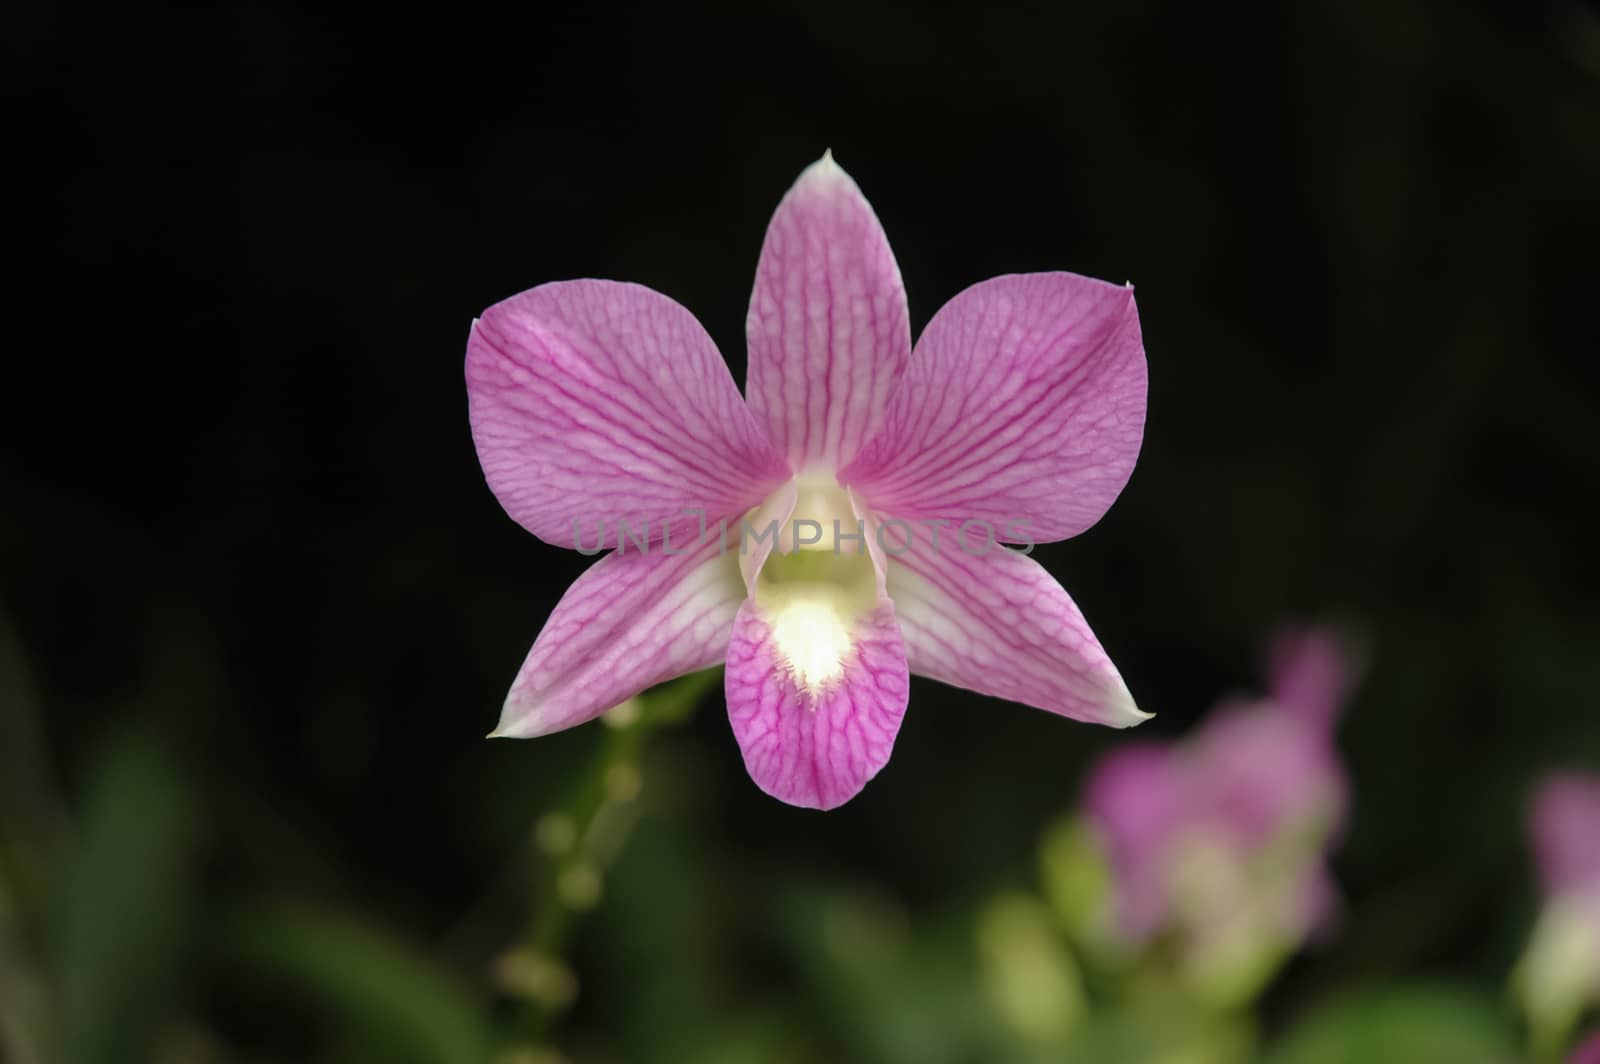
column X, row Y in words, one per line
column 1565, row 827
column 1588, row 1052
column 1016, row 418
column 1220, row 840
column 1559, row 973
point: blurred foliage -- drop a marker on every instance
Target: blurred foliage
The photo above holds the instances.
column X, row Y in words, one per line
column 381, row 994
column 122, row 911
column 257, row 608
column 1400, row 1023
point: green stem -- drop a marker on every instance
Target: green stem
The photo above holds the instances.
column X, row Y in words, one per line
column 577, row 851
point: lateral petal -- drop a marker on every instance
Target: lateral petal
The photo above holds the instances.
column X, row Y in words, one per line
column 1000, row 625
column 1023, row 408
column 596, row 402
column 630, row 622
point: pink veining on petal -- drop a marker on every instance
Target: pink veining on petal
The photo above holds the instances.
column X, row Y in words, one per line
column 629, row 622
column 816, row 749
column 827, row 327
column 1024, row 402
column 596, row 401
column 1566, row 832
column 1001, row 625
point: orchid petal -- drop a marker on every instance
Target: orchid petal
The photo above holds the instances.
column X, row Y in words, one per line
column 754, row 543
column 1588, row 1052
column 1309, row 674
column 1023, row 408
column 1566, row 833
column 867, row 520
column 827, row 327
column 594, row 402
column 1136, row 799
column 629, row 622
column 1266, row 767
column 813, row 735
column 1000, row 625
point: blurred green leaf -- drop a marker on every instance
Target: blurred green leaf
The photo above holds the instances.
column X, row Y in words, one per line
column 1077, row 882
column 121, row 920
column 384, row 990
column 671, row 703
column 891, row 987
column 1160, row 1028
column 1407, row 1023
column 1028, row 976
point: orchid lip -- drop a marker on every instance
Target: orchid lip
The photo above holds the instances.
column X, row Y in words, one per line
column 814, row 601
column 818, row 583
column 812, row 640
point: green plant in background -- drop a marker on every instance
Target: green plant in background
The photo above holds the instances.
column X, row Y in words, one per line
column 1189, row 875
column 1216, row 847
column 105, row 927
column 99, row 923
column 579, row 841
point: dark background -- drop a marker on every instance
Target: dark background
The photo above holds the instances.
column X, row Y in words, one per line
column 242, row 515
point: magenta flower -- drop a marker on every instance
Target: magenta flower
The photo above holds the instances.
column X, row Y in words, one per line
column 1220, row 841
column 1566, row 835
column 604, row 415
column 1588, row 1052
column 1559, row 974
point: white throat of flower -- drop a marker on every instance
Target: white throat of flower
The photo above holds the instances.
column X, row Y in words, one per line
column 814, row 594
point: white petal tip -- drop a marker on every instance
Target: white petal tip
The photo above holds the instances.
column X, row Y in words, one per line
column 825, row 170
column 1121, row 711
column 510, row 729
column 1132, row 717
column 1128, row 716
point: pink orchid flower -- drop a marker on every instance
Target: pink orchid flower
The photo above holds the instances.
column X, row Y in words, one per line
column 1566, row 835
column 1221, row 840
column 1559, row 973
column 602, row 407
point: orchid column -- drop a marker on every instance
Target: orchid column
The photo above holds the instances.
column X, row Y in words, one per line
column 1017, row 418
